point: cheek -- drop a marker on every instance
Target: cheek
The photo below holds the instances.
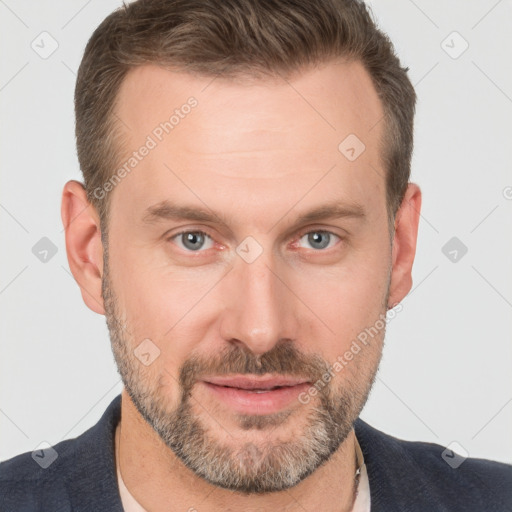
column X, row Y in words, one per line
column 153, row 296
column 354, row 310
column 350, row 296
column 165, row 307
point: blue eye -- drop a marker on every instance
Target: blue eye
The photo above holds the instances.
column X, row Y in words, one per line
column 192, row 240
column 195, row 241
column 319, row 239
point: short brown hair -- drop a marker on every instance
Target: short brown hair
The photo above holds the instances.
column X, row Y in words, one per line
column 255, row 38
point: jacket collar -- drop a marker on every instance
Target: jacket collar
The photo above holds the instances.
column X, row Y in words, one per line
column 95, row 486
column 397, row 481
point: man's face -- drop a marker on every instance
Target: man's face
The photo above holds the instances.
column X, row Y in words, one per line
column 253, row 290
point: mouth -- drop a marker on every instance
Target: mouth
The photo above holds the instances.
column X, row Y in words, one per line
column 255, row 390
column 256, row 384
column 254, row 395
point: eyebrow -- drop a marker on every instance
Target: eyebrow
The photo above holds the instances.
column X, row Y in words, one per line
column 166, row 210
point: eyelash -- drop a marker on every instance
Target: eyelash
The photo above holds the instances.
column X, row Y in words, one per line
column 299, row 236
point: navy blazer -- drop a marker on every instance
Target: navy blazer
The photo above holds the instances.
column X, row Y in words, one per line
column 404, row 476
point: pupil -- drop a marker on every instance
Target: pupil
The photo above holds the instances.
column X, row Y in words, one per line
column 315, row 239
column 193, row 238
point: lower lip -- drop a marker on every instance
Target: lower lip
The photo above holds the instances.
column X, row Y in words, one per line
column 257, row 403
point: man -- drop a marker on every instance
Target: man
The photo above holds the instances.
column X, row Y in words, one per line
column 246, row 220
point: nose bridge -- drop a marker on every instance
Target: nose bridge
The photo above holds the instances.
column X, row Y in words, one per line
column 258, row 312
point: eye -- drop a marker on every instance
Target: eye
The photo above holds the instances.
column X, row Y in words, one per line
column 320, row 239
column 192, row 240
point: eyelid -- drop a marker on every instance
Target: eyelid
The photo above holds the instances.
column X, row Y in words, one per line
column 192, row 230
column 170, row 237
column 304, row 231
column 313, row 229
column 299, row 234
column 316, row 229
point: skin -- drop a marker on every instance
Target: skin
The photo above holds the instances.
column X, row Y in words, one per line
column 260, row 153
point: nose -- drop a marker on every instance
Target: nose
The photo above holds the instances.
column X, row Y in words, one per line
column 259, row 308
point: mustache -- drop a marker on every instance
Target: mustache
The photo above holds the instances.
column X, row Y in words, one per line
column 283, row 359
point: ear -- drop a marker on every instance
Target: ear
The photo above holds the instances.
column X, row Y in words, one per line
column 404, row 244
column 83, row 243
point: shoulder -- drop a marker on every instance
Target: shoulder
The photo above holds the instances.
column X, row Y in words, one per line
column 31, row 479
column 417, row 473
column 62, row 476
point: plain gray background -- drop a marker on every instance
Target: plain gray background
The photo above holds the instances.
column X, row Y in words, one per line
column 446, row 370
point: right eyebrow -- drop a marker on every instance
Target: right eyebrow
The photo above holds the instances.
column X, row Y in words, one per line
column 165, row 210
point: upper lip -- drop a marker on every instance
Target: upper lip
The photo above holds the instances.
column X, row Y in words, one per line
column 255, row 382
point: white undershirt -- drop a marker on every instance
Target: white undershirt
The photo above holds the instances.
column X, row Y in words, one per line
column 362, row 503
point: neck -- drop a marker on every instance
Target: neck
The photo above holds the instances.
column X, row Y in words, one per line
column 156, row 477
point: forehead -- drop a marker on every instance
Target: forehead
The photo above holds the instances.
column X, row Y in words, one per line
column 257, row 139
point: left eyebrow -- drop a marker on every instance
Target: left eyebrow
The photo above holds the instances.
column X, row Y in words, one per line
column 335, row 210
column 165, row 210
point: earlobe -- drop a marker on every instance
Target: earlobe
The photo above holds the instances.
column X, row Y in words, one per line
column 83, row 243
column 404, row 244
